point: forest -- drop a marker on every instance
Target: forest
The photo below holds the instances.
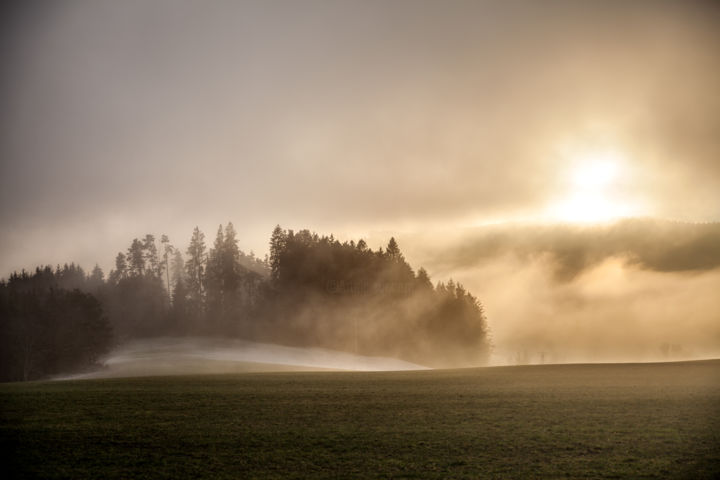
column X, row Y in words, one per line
column 311, row 290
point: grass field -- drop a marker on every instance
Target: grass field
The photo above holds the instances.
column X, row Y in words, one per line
column 568, row 421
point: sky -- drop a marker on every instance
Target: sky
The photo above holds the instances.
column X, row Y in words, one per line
column 420, row 119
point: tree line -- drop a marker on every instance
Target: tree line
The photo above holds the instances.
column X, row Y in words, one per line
column 48, row 325
column 310, row 290
column 349, row 297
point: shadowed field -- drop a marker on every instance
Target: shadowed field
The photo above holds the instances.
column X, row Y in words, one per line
column 565, row 421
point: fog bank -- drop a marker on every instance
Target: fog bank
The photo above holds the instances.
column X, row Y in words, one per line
column 631, row 291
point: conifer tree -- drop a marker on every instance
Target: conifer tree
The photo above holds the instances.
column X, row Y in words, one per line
column 423, row 280
column 195, row 269
column 230, row 260
column 393, row 251
column 179, row 292
column 278, row 242
column 136, row 259
column 154, row 267
column 120, row 270
column 168, row 250
column 214, row 277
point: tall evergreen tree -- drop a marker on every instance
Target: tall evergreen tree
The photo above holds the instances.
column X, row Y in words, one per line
column 230, row 260
column 136, row 259
column 236, row 278
column 179, row 308
column 97, row 275
column 168, row 250
column 214, row 278
column 423, row 280
column 178, row 272
column 154, row 267
column 393, row 250
column 195, row 269
column 120, row 270
column 96, row 279
column 278, row 242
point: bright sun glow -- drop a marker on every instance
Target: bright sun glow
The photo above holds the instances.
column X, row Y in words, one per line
column 594, row 192
column 597, row 171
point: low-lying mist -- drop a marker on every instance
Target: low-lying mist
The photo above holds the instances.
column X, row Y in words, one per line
column 204, row 355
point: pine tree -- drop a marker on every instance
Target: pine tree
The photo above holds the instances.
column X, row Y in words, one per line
column 423, row 280
column 96, row 278
column 178, row 269
column 179, row 292
column 393, row 251
column 214, row 278
column 195, row 269
column 154, row 267
column 136, row 259
column 97, row 275
column 168, row 250
column 450, row 290
column 278, row 241
column 232, row 275
column 120, row 270
column 230, row 260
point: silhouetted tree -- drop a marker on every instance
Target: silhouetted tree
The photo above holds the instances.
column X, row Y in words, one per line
column 136, row 259
column 45, row 329
column 120, row 270
column 423, row 280
column 278, row 243
column 393, row 251
column 213, row 279
column 168, row 250
column 195, row 269
column 154, row 267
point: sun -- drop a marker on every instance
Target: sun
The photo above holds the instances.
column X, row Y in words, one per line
column 595, row 187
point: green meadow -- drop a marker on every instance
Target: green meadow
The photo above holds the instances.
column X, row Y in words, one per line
column 557, row 421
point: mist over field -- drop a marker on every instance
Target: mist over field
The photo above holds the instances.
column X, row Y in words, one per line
column 202, row 355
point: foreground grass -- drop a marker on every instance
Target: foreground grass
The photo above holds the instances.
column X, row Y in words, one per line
column 574, row 421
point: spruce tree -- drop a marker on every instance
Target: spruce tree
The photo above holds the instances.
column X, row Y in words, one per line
column 214, row 278
column 195, row 269
column 278, row 242
column 136, row 259
column 154, row 267
column 168, row 250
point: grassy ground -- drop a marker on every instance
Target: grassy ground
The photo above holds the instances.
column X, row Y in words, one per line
column 582, row 421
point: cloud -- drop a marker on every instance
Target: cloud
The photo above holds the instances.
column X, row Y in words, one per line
column 570, row 250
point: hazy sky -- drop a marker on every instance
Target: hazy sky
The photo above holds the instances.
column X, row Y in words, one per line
column 122, row 118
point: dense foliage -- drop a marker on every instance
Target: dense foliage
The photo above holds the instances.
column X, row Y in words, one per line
column 346, row 296
column 310, row 291
column 46, row 327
